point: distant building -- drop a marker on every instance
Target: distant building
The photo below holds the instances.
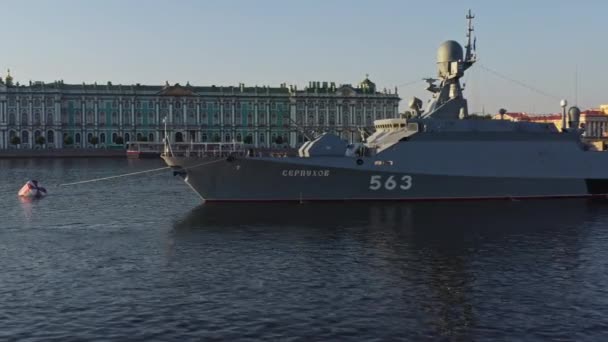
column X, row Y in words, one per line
column 594, row 121
column 73, row 114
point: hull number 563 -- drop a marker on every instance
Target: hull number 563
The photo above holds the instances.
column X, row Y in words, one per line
column 376, row 182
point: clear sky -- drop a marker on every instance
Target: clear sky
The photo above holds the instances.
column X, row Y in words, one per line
column 543, row 44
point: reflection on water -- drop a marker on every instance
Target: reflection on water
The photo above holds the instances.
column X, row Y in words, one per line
column 105, row 259
column 433, row 250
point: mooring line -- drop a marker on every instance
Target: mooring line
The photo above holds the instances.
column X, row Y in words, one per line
column 117, row 176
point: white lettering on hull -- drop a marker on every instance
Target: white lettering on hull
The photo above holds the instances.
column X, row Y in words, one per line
column 305, row 173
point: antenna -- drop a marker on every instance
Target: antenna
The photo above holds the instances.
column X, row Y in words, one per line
column 470, row 29
column 576, row 85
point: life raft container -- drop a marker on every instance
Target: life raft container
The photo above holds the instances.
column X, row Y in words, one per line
column 31, row 189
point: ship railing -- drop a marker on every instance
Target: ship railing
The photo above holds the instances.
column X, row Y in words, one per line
column 203, row 149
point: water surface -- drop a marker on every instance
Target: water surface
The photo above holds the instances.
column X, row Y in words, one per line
column 140, row 258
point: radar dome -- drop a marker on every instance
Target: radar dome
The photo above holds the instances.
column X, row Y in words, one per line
column 574, row 115
column 449, row 51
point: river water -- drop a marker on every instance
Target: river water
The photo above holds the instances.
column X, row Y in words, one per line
column 140, row 258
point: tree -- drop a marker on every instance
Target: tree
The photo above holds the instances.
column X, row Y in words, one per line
column 248, row 140
column 278, row 140
column 68, row 140
column 15, row 140
column 119, row 141
column 40, row 140
column 94, row 141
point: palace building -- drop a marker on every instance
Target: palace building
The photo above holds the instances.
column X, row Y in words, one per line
column 58, row 115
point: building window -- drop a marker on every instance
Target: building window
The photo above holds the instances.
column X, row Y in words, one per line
column 204, row 137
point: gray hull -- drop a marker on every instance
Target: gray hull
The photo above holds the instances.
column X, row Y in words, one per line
column 288, row 179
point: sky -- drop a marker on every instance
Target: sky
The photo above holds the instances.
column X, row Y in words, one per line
column 530, row 53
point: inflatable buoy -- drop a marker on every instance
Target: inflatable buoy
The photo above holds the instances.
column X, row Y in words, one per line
column 31, row 189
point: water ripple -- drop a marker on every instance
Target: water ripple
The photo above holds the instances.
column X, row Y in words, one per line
column 140, row 259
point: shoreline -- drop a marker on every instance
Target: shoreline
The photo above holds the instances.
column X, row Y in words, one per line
column 62, row 153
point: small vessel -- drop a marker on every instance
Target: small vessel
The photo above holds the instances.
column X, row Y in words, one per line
column 437, row 153
column 32, row 189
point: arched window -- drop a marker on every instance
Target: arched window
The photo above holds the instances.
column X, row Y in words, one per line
column 102, row 138
column 49, row 118
column 262, row 139
column 89, row 137
column 151, row 137
column 114, row 136
column 77, row 138
column 127, row 137
column 204, row 137
column 24, row 118
column 50, row 137
column 179, row 137
column 25, row 137
column 227, row 137
column 239, row 137
column 139, row 137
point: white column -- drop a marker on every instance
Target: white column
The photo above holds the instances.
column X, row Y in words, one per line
column 97, row 118
column 185, row 119
column 157, row 109
column 43, row 116
column 198, row 116
column 57, row 119
column 293, row 135
column 133, row 117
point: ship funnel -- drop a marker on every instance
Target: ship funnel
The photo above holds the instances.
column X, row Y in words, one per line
column 574, row 115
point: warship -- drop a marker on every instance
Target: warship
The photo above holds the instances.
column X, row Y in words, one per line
column 437, row 153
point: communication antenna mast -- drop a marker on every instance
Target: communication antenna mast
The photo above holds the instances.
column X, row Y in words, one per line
column 576, row 85
column 470, row 48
